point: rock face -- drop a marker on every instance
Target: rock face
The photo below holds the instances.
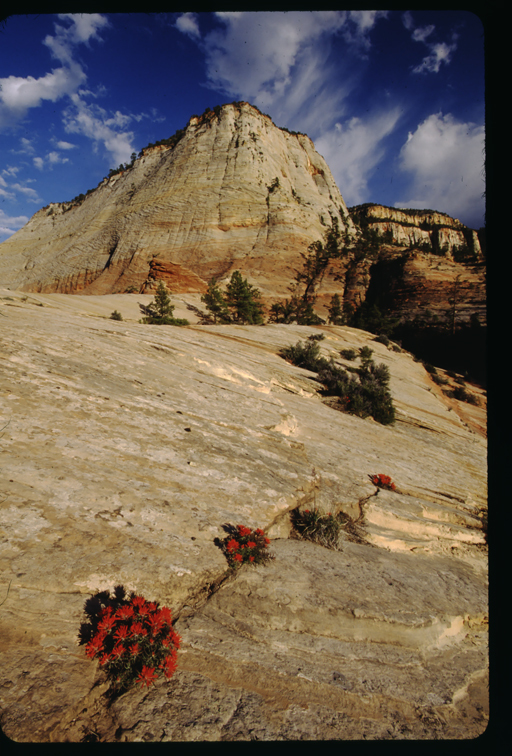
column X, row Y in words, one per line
column 235, row 192
column 410, row 228
column 125, row 450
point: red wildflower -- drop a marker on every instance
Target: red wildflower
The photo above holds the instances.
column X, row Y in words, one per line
column 259, row 531
column 166, row 615
column 94, row 646
column 238, row 557
column 104, row 659
column 121, row 633
column 251, row 545
column 267, row 541
column 147, row 676
column 117, row 651
column 106, row 623
column 138, row 629
column 134, row 649
column 124, row 612
column 243, row 530
column 144, row 610
column 168, row 666
column 156, row 623
column 138, row 601
column 233, row 545
column 251, row 559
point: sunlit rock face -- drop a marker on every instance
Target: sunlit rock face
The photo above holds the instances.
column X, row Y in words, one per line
column 235, row 192
column 127, row 448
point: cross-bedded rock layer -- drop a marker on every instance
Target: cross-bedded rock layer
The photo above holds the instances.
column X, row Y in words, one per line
column 125, row 448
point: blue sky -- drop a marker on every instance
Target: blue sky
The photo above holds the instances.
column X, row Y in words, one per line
column 393, row 100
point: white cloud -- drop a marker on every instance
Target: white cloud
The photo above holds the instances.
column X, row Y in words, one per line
column 445, row 158
column 9, row 224
column 187, row 23
column 65, row 145
column 93, row 122
column 279, row 60
column 353, row 150
column 29, row 193
column 19, row 94
column 439, row 52
column 11, row 170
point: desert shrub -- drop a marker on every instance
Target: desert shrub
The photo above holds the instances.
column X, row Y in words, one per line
column 323, row 529
column 382, row 339
column 246, row 546
column 305, row 355
column 383, row 481
column 367, row 397
column 132, row 638
column 116, row 315
column 462, row 395
column 316, row 337
column 429, row 368
column 348, row 354
column 439, row 379
column 365, row 353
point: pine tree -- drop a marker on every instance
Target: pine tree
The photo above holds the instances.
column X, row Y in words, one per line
column 160, row 310
column 243, row 300
column 215, row 303
column 335, row 311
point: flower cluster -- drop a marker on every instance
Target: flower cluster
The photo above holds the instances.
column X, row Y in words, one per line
column 246, row 545
column 132, row 638
column 320, row 528
column 383, row 481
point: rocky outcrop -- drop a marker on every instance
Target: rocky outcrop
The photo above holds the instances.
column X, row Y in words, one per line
column 232, row 192
column 410, row 228
column 127, row 448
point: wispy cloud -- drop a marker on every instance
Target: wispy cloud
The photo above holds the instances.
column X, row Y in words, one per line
column 354, row 149
column 187, row 23
column 51, row 159
column 95, row 123
column 279, row 61
column 65, row 145
column 439, row 52
column 19, row 94
column 10, row 224
column 29, row 193
column 445, row 159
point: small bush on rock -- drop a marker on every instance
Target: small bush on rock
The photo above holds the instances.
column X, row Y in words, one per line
column 244, row 545
column 323, row 529
column 305, row 355
column 367, row 397
column 116, row 315
column 132, row 638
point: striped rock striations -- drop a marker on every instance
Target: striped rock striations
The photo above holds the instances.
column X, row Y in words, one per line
column 234, row 192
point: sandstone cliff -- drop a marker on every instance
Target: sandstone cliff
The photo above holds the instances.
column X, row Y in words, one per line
column 233, row 192
column 125, row 450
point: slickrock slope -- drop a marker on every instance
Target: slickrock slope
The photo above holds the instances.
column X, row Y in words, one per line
column 125, row 448
column 235, row 192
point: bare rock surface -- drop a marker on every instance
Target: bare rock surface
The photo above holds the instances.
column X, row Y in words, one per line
column 125, row 449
